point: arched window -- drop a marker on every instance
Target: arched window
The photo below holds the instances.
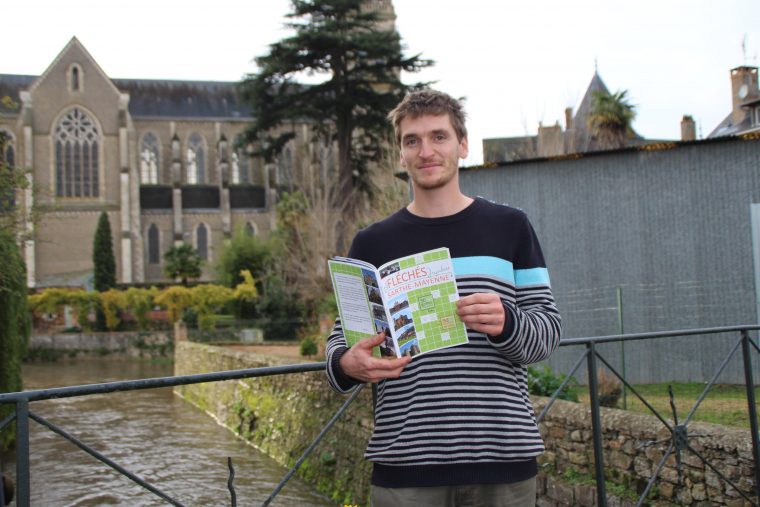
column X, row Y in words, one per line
column 8, row 154
column 76, row 156
column 75, row 78
column 201, row 241
column 153, row 245
column 149, row 159
column 196, row 160
column 241, row 172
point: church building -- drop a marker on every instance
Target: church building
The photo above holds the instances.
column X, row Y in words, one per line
column 158, row 157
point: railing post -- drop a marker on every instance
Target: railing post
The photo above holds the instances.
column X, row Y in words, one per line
column 750, row 386
column 596, row 426
column 23, row 498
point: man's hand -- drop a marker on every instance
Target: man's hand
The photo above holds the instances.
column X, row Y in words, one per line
column 359, row 363
column 482, row 312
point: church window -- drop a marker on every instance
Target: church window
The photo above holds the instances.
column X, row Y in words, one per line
column 149, row 159
column 196, row 160
column 75, row 79
column 153, row 245
column 8, row 201
column 76, row 156
column 240, row 167
column 201, row 240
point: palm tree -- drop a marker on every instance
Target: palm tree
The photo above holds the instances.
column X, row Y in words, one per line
column 610, row 119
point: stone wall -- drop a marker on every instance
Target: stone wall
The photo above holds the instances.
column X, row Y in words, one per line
column 634, row 445
column 282, row 414
column 146, row 345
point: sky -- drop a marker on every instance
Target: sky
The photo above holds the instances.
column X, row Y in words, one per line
column 516, row 63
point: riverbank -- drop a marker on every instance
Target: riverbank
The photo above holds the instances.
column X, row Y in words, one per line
column 113, row 345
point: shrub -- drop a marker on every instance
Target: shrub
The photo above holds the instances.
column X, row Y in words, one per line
column 543, row 382
column 609, row 388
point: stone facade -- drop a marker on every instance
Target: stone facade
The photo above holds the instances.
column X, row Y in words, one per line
column 157, row 156
column 281, row 415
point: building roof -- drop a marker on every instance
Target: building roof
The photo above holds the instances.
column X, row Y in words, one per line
column 150, row 98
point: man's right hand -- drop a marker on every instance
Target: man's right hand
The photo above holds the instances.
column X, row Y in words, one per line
column 359, row 363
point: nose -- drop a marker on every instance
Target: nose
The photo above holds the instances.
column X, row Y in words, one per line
column 426, row 149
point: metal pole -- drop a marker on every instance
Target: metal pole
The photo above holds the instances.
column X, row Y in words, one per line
column 622, row 344
column 23, row 497
column 750, row 385
column 596, row 426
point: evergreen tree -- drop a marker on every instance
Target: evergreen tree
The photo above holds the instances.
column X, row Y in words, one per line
column 344, row 41
column 104, row 263
column 183, row 262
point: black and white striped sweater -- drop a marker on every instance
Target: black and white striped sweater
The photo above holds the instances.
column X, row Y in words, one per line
column 462, row 415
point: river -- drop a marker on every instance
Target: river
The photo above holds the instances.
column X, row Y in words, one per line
column 152, row 433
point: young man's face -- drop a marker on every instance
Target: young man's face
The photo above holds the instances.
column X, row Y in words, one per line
column 430, row 151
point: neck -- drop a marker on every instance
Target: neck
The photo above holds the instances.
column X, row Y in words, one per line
column 433, row 206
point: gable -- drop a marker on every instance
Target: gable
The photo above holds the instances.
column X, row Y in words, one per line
column 56, row 90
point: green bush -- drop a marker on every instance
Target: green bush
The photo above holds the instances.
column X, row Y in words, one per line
column 543, row 382
column 15, row 325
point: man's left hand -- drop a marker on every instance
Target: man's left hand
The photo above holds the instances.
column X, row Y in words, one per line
column 482, row 312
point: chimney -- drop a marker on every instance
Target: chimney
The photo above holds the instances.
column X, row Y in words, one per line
column 743, row 89
column 688, row 128
column 568, row 118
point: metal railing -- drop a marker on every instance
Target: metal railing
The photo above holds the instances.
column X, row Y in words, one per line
column 678, row 441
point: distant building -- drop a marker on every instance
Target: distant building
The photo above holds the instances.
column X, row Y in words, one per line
column 157, row 156
column 745, row 104
column 552, row 141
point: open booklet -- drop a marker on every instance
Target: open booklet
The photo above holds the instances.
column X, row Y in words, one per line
column 412, row 299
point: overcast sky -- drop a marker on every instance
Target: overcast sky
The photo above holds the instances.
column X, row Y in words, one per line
column 517, row 63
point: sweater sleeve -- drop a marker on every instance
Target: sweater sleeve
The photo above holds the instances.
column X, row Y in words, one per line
column 533, row 326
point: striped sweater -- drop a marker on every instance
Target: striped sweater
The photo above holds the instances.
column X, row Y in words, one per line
column 462, row 415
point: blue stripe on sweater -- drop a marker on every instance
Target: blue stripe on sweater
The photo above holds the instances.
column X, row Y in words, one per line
column 500, row 268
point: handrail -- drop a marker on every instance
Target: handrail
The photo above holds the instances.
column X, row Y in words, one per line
column 679, row 441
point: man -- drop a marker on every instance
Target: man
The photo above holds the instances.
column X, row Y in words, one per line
column 454, row 426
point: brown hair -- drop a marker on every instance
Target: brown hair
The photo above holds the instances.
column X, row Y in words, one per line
column 432, row 102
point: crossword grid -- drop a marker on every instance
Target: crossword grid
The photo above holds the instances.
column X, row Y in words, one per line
column 445, row 328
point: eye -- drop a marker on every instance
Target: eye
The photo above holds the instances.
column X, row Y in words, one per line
column 440, row 137
column 410, row 141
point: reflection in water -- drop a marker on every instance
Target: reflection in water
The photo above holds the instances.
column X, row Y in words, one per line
column 153, row 434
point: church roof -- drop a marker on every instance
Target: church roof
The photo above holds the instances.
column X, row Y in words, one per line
column 151, row 98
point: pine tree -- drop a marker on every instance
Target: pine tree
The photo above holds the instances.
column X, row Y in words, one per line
column 104, row 263
column 344, row 41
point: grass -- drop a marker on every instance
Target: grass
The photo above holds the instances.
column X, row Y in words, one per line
column 724, row 404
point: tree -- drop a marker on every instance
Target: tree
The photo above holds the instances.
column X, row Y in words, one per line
column 611, row 118
column 103, row 260
column 183, row 262
column 345, row 42
column 14, row 323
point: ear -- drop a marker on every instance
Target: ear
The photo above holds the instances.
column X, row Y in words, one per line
column 401, row 159
column 464, row 149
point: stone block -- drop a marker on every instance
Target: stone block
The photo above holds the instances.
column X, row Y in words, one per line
column 585, row 495
column 576, row 436
column 620, row 460
column 666, row 489
column 684, row 496
column 578, row 458
column 559, row 491
column 642, row 466
column 699, row 492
